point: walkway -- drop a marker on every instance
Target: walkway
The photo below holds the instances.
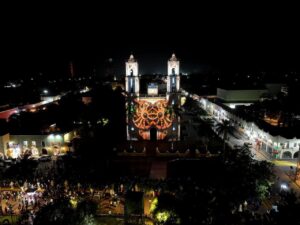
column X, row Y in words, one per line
column 280, row 166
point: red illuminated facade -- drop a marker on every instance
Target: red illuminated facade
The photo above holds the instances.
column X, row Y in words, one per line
column 150, row 116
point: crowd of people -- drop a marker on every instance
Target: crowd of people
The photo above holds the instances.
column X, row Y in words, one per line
column 28, row 197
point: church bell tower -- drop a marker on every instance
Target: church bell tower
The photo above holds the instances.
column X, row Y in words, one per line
column 132, row 81
column 173, row 80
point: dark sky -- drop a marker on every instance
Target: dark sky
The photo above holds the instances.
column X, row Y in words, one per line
column 45, row 39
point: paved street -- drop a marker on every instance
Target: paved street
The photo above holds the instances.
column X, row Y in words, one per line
column 281, row 168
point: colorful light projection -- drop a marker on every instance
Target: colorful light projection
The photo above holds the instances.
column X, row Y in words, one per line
column 146, row 134
column 152, row 114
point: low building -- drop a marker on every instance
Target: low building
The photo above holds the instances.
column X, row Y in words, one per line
column 16, row 145
column 277, row 141
column 236, row 96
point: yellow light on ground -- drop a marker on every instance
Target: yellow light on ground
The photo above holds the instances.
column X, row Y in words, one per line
column 162, row 217
column 284, row 163
column 73, row 202
column 182, row 101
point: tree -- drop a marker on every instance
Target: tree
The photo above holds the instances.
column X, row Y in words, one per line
column 224, row 129
column 243, row 174
column 165, row 209
column 85, row 212
column 191, row 105
column 60, row 212
column 205, row 141
column 64, row 212
column 288, row 208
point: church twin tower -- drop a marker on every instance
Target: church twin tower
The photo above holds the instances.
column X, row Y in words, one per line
column 132, row 80
column 152, row 116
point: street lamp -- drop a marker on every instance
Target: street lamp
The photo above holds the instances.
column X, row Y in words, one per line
column 284, row 187
column 45, row 91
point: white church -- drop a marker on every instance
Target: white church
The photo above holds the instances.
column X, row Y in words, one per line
column 151, row 114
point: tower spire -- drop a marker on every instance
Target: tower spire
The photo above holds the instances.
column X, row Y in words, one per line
column 132, row 79
column 173, row 82
column 131, row 58
column 173, row 58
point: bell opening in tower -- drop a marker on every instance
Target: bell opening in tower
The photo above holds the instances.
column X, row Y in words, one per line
column 173, row 71
column 173, row 84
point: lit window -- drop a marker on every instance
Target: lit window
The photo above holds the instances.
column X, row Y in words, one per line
column 10, row 144
column 33, row 143
column 25, row 143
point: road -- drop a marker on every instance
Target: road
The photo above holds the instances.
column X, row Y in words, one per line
column 281, row 167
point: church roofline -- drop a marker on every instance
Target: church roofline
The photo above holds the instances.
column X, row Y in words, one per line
column 173, row 58
column 131, row 58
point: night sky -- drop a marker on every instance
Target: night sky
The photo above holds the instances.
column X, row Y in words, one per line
column 46, row 39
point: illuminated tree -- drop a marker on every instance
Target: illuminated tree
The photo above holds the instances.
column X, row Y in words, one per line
column 164, row 209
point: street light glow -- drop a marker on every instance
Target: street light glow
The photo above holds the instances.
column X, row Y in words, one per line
column 284, row 187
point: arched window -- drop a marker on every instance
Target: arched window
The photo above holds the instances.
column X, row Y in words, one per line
column 287, row 155
column 296, row 154
column 173, row 71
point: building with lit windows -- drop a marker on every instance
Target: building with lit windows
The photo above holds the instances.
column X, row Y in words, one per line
column 240, row 97
column 16, row 145
column 276, row 141
column 151, row 113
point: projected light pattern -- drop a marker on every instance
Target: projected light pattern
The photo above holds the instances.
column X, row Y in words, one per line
column 146, row 134
column 152, row 114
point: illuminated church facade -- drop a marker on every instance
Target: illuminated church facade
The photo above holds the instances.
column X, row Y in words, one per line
column 151, row 114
